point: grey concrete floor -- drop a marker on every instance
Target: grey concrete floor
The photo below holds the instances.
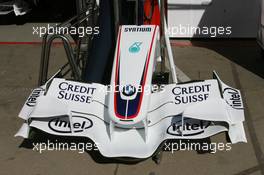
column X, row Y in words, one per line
column 238, row 63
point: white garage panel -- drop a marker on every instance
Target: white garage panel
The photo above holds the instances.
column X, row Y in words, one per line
column 213, row 18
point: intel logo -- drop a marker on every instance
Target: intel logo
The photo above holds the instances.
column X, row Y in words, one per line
column 233, row 98
column 62, row 124
column 190, row 127
column 32, row 100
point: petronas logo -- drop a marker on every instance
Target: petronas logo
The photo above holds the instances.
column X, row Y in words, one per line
column 135, row 48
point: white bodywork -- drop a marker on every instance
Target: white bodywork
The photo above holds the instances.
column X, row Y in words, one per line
column 130, row 122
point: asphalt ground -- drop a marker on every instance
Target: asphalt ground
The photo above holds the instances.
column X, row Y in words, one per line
column 239, row 64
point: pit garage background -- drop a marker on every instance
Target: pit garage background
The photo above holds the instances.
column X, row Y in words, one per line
column 238, row 61
column 242, row 15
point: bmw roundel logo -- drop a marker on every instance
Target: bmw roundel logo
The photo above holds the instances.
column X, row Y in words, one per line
column 129, row 90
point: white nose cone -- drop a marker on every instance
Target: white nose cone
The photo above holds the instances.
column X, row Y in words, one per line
column 132, row 73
